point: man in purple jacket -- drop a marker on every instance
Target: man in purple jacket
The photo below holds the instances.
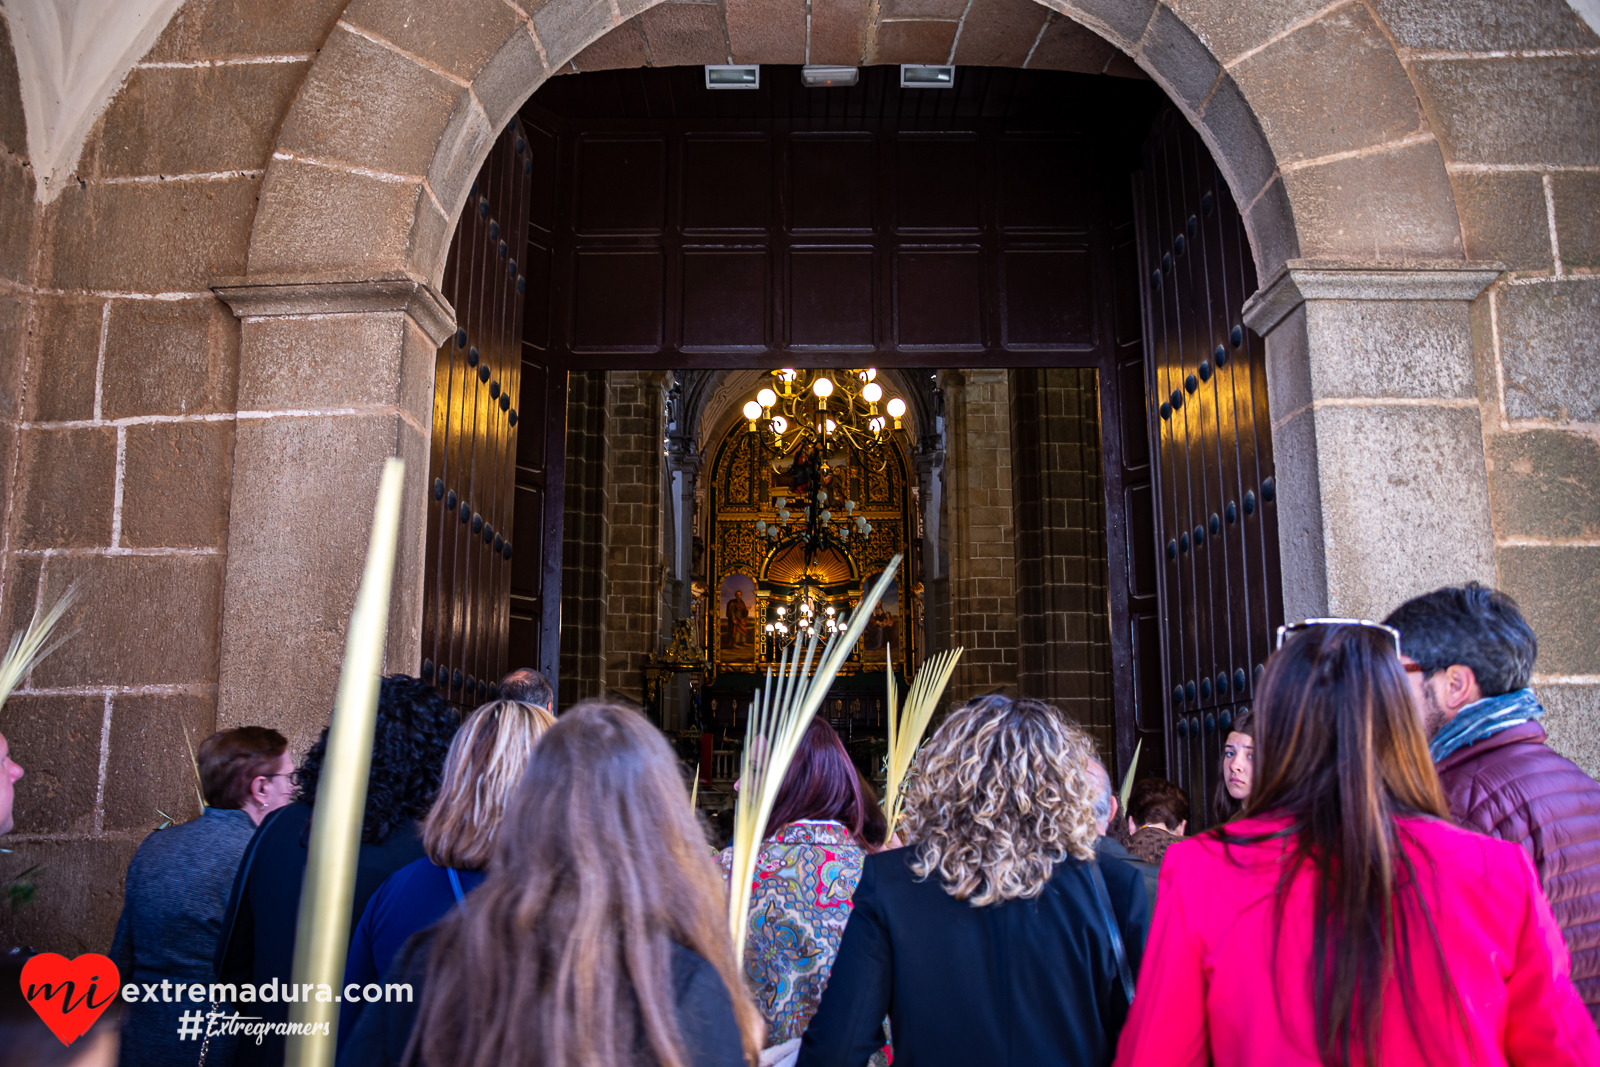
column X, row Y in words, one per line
column 1469, row 656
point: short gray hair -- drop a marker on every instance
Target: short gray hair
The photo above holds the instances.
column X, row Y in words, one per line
column 1102, row 796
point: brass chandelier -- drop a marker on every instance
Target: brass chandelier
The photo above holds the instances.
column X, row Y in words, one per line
column 806, row 424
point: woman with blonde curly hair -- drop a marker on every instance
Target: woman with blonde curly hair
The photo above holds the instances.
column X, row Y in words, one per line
column 995, row 937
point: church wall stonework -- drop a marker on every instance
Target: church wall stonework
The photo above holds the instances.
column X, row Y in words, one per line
column 208, row 478
column 979, row 514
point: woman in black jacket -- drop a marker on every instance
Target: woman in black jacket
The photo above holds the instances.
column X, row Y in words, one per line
column 410, row 741
column 996, row 938
column 599, row 937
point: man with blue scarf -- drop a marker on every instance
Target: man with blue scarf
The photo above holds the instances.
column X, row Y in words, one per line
column 1469, row 655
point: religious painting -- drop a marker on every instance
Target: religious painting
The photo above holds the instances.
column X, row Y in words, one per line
column 882, row 630
column 736, row 602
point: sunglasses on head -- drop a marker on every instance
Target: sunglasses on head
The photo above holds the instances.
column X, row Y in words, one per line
column 1295, row 627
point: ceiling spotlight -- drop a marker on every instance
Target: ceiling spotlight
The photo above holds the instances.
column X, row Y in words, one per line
column 828, row 77
column 923, row 76
column 733, row 77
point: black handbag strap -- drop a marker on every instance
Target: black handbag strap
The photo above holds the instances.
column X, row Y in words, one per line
column 1103, row 897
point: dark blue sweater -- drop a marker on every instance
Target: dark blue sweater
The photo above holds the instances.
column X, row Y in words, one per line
column 413, row 899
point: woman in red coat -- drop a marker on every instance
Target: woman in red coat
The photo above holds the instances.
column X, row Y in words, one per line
column 1342, row 919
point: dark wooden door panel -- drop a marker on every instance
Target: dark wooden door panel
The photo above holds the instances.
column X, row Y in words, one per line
column 477, row 378
column 1220, row 589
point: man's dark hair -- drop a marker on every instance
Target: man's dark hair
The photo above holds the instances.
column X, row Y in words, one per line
column 1474, row 626
column 528, row 686
column 409, row 743
column 1156, row 800
column 229, row 761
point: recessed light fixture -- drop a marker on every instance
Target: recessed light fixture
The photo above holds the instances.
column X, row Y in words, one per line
column 733, row 77
column 923, row 76
column 828, row 77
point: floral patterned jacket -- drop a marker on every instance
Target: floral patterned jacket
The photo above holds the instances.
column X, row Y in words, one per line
column 805, row 876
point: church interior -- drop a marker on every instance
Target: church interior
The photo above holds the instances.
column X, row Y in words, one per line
column 723, row 355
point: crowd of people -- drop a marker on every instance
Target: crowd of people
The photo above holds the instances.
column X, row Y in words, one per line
column 1398, row 870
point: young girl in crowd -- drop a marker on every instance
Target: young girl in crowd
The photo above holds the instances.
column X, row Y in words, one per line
column 988, row 941
column 1238, row 769
column 815, row 842
column 1342, row 919
column 600, row 936
column 486, row 762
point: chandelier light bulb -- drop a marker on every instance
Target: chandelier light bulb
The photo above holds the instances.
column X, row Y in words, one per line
column 849, row 505
column 752, row 410
column 823, row 387
column 872, row 392
column 870, row 374
column 830, row 609
column 832, row 426
column 769, row 628
column 787, row 374
column 766, row 398
column 877, row 424
column 782, row 611
column 897, row 407
column 779, row 424
column 782, row 629
column 761, row 527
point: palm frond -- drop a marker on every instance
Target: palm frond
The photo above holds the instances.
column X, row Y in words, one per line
column 778, row 720
column 908, row 725
column 32, row 645
column 199, row 785
column 1127, row 782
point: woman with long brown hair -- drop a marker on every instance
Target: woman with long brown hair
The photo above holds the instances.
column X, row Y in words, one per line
column 1236, row 770
column 1342, row 919
column 599, row 937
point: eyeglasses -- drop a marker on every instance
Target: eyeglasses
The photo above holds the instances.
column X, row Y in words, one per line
column 1295, row 627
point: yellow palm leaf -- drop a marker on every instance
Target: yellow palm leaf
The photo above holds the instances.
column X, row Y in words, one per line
column 778, row 720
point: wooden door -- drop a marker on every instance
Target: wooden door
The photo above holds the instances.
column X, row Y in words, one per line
column 472, row 550
column 1220, row 588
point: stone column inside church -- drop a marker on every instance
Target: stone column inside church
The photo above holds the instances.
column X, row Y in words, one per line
column 979, row 523
column 586, row 538
column 1063, row 628
column 634, row 472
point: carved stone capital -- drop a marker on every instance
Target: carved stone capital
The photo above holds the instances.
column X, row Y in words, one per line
column 284, row 296
column 1300, row 280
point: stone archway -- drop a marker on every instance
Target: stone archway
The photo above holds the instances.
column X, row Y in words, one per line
column 353, row 223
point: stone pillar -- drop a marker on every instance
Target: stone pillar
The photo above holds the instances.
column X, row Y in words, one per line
column 334, row 378
column 633, row 564
column 982, row 585
column 1376, row 431
column 585, row 540
column 683, row 466
column 1063, row 628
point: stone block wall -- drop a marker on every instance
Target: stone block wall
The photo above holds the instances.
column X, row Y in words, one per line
column 585, row 538
column 119, row 387
column 978, row 517
column 1063, row 629
column 1537, row 335
column 635, row 471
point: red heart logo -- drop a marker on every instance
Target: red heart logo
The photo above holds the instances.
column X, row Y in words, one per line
column 67, row 993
